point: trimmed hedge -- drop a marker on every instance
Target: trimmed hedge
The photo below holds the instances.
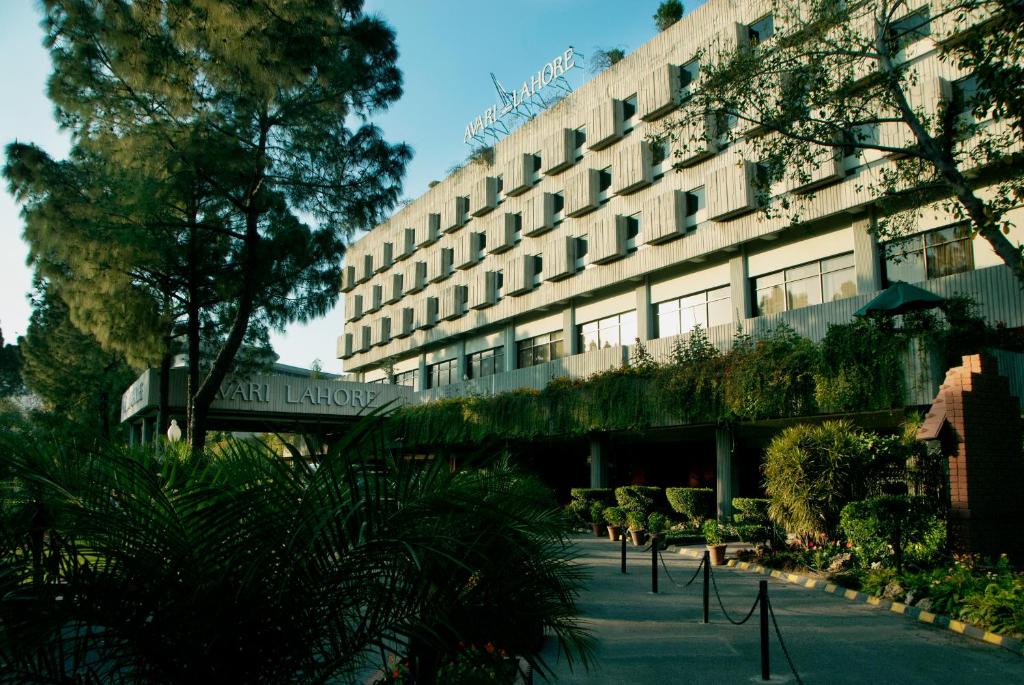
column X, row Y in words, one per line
column 696, row 504
column 615, row 516
column 750, row 510
column 643, row 499
column 584, row 501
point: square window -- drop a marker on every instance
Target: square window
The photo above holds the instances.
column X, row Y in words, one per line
column 688, row 75
column 632, row 233
column 628, row 113
column 761, row 30
column 909, row 30
column 695, row 205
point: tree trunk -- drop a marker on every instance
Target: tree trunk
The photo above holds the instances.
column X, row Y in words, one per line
column 165, row 381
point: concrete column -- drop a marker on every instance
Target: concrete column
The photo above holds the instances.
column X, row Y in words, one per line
column 461, row 365
column 644, row 320
column 509, row 341
column 598, row 463
column 866, row 255
column 569, row 341
column 742, row 307
column 723, row 471
column 421, row 373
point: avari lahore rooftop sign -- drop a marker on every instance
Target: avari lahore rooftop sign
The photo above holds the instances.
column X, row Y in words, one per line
column 524, row 102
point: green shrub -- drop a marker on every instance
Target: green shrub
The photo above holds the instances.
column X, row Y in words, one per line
column 695, row 504
column 643, row 499
column 811, row 473
column 886, row 527
column 772, row 376
column 615, row 516
column 635, row 520
column 657, row 524
column 861, row 367
column 582, row 504
column 750, row 510
column 606, row 495
column 597, row 512
column 714, row 532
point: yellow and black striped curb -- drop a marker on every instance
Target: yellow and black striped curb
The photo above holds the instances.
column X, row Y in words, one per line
column 1008, row 643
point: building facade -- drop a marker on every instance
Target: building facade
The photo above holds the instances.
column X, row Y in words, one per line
column 582, row 235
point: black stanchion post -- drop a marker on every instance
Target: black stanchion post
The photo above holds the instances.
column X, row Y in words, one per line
column 654, row 564
column 763, row 595
column 623, row 552
column 707, row 582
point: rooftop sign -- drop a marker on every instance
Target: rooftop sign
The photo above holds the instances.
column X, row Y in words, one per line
column 524, row 101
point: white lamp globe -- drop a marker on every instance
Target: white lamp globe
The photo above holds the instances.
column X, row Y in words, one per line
column 174, row 432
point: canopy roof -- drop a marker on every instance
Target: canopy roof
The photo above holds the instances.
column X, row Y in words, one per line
column 900, row 298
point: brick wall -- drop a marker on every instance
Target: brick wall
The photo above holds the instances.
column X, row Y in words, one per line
column 982, row 437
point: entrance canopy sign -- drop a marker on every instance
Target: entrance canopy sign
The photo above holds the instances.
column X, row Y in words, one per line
column 523, row 100
column 266, row 394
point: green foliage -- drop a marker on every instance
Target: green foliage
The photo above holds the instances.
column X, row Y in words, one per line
column 602, row 59
column 615, row 516
column 750, row 509
column 657, row 524
column 772, row 376
column 78, row 382
column 669, row 12
column 811, row 473
column 695, row 504
column 635, row 519
column 172, row 566
column 597, row 512
column 890, row 528
column 642, row 499
column 714, row 532
column 753, row 523
column 861, row 367
column 10, row 370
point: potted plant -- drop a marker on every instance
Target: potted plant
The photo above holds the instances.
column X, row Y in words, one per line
column 636, row 522
column 597, row 519
column 615, row 517
column 657, row 524
column 714, row 534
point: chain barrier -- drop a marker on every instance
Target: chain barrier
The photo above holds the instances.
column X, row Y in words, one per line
column 720, row 604
column 785, row 652
column 672, row 580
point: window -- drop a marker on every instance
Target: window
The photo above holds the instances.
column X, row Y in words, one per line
column 705, row 309
column 538, row 268
column 442, row 373
column 966, row 95
column 632, row 232
column 499, row 282
column 559, row 205
column 580, row 140
column 535, row 169
column 725, row 122
column 407, row 378
column 379, row 381
column 695, row 211
column 608, row 332
column 929, row 255
column 517, row 228
column 909, row 30
column 825, row 280
column 463, row 204
column 539, row 349
column 628, row 113
column 580, row 252
column 486, row 363
column 761, row 30
column 659, row 158
column 688, row 75
column 853, row 140
column 604, row 183
column 498, row 197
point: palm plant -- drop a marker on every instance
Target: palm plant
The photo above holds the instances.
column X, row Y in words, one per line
column 122, row 565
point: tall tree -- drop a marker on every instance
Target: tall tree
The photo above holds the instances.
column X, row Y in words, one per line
column 825, row 79
column 76, row 379
column 262, row 105
column 10, row 370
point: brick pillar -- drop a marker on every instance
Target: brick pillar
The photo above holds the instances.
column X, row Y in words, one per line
column 986, row 468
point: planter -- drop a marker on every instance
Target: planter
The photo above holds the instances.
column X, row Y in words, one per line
column 638, row 536
column 598, row 529
column 717, row 554
column 613, row 533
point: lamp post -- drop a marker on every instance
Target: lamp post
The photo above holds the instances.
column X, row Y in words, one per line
column 174, row 432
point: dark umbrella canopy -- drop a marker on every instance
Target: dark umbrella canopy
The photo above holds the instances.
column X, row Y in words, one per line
column 900, row 298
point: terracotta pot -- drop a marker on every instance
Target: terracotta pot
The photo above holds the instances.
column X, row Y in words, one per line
column 613, row 533
column 717, row 554
column 638, row 536
column 598, row 529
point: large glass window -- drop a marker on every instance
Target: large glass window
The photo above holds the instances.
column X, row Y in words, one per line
column 761, row 30
column 909, row 30
column 705, row 309
column 486, row 363
column 688, row 75
column 539, row 349
column 929, row 255
column 824, row 280
column 407, row 378
column 442, row 373
column 607, row 332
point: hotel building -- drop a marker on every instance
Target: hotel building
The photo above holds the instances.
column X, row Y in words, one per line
column 579, row 235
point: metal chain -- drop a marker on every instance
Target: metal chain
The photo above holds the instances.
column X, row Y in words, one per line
column 785, row 651
column 749, row 613
column 672, row 580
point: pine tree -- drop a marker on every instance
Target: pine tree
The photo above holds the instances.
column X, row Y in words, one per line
column 10, row 370
column 251, row 121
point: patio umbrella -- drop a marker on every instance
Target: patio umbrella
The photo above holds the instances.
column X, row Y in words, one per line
column 900, row 298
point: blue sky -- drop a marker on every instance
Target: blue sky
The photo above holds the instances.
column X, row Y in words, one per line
column 448, row 48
